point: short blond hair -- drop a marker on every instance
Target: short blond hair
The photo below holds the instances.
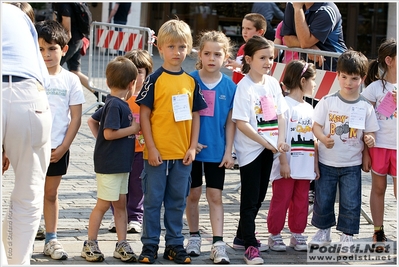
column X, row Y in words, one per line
column 175, row 30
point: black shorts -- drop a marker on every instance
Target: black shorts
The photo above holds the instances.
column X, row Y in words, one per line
column 59, row 168
column 214, row 176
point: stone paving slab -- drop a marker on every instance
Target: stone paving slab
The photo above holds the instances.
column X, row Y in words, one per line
column 77, row 197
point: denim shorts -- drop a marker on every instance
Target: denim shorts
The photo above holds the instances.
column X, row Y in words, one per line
column 349, row 182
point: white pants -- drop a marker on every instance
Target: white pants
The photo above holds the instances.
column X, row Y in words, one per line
column 26, row 137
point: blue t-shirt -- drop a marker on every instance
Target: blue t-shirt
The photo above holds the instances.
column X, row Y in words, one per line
column 213, row 128
column 325, row 23
column 113, row 156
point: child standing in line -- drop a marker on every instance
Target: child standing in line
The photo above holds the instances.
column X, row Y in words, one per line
column 65, row 97
column 253, row 24
column 113, row 157
column 143, row 61
column 215, row 143
column 169, row 104
column 342, row 123
column 258, row 110
column 292, row 171
column 383, row 154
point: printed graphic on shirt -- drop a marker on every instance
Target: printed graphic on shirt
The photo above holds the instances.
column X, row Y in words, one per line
column 339, row 125
column 266, row 129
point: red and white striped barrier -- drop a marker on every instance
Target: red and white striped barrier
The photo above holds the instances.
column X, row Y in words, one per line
column 326, row 81
column 119, row 40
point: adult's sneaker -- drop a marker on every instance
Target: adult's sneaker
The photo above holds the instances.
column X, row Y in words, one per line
column 252, row 256
column 148, row 254
column 177, row 254
column 134, row 227
column 55, row 250
column 91, row 252
column 239, row 244
column 111, row 226
column 218, row 253
column 276, row 243
column 298, row 242
column 124, row 252
column 321, row 238
column 193, row 247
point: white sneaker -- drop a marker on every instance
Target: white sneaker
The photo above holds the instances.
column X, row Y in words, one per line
column 347, row 242
column 111, row 226
column 321, row 238
column 134, row 227
column 298, row 242
column 276, row 243
column 218, row 253
column 194, row 246
column 54, row 249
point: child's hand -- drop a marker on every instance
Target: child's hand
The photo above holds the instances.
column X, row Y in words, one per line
column 285, row 170
column 366, row 161
column 154, row 158
column 233, row 65
column 283, row 147
column 199, row 148
column 227, row 161
column 6, row 162
column 135, row 127
column 328, row 141
column 394, row 95
column 369, row 140
column 189, row 157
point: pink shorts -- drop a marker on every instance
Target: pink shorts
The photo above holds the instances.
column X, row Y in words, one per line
column 383, row 161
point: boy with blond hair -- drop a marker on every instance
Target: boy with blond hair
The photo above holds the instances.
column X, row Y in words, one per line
column 169, row 103
column 113, row 156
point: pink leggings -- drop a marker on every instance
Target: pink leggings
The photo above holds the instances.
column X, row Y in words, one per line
column 288, row 194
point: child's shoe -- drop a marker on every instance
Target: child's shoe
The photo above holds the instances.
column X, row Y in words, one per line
column 148, row 254
column 54, row 249
column 193, row 247
column 346, row 243
column 124, row 252
column 111, row 226
column 239, row 244
column 177, row 254
column 276, row 243
column 218, row 253
column 252, row 256
column 40, row 235
column 379, row 239
column 298, row 242
column 134, row 227
column 321, row 238
column 91, row 251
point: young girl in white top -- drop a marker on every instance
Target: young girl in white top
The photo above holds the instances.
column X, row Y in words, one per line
column 258, row 111
column 292, row 171
column 380, row 88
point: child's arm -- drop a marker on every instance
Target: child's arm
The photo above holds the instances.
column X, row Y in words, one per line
column 190, row 154
column 285, row 171
column 281, row 144
column 325, row 139
column 228, row 161
column 247, row 129
column 366, row 160
column 73, row 128
column 316, row 160
column 94, row 125
column 111, row 134
column 154, row 158
column 6, row 161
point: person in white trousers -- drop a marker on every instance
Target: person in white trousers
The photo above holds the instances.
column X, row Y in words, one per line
column 26, row 130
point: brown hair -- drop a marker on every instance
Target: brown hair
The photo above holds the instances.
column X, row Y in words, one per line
column 120, row 72
column 258, row 20
column 142, row 59
column 352, row 62
column 26, row 8
column 295, row 71
column 252, row 45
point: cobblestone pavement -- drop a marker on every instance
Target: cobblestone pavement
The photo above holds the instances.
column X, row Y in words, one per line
column 77, row 197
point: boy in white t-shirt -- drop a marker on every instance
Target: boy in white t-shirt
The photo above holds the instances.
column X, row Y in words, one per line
column 343, row 123
column 65, row 97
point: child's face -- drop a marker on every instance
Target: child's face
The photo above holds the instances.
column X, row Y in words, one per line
column 212, row 56
column 349, row 84
column 140, row 79
column 261, row 62
column 173, row 54
column 52, row 54
column 309, row 86
column 249, row 30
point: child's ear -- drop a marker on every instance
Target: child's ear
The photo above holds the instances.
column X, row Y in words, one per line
column 65, row 50
column 248, row 59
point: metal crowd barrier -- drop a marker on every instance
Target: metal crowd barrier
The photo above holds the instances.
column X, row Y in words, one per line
column 107, row 41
